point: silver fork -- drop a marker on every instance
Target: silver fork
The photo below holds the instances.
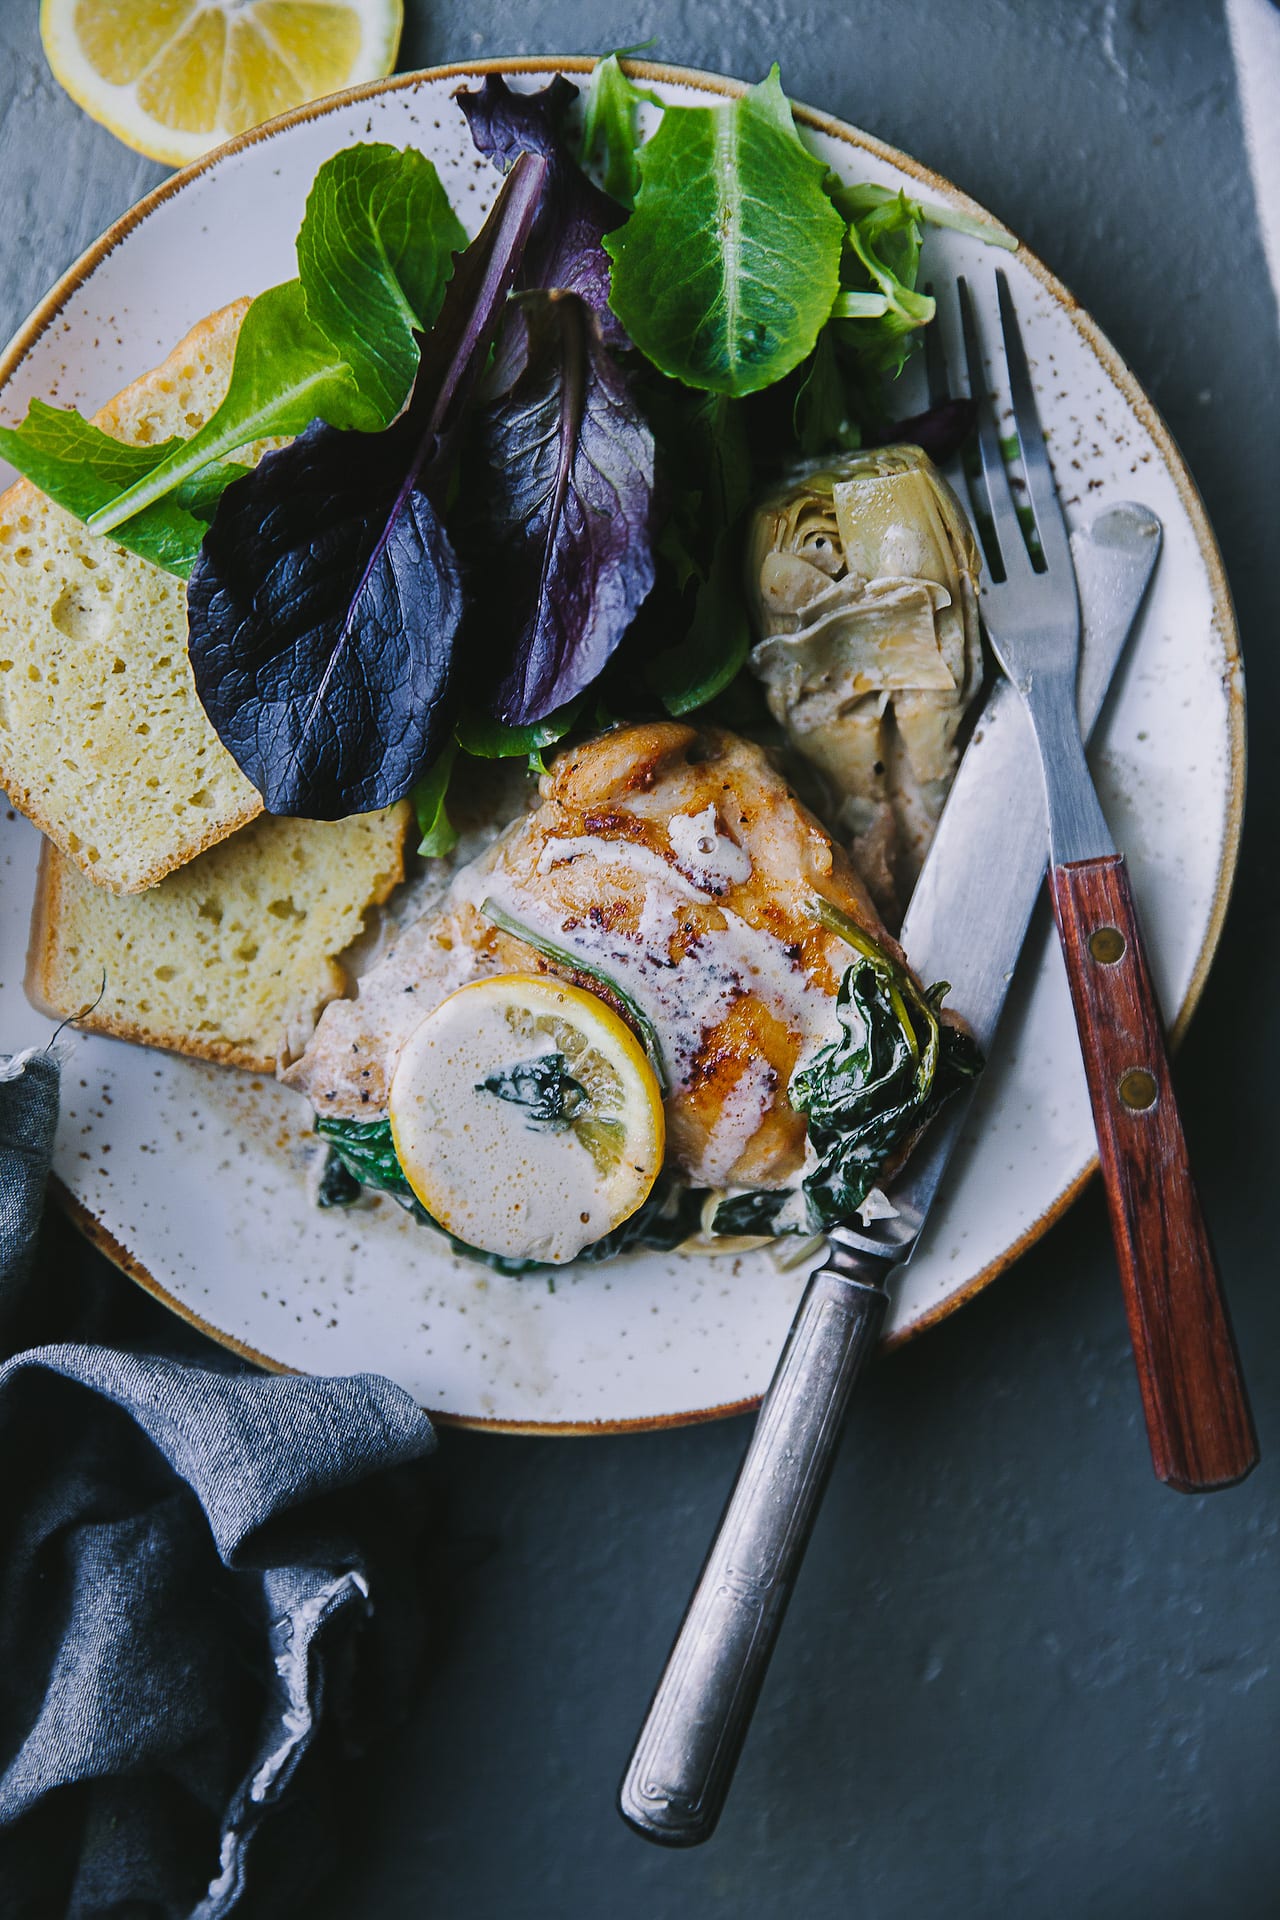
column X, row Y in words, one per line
column 1197, row 1412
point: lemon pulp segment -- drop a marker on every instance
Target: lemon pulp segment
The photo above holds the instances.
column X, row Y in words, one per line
column 173, row 78
column 526, row 1117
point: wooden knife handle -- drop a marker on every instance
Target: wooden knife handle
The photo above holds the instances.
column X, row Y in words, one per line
column 1197, row 1411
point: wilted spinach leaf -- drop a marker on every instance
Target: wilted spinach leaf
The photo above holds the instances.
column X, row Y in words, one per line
column 544, row 1087
column 366, row 1149
column 726, row 271
column 326, row 602
column 561, row 469
column 338, row 1185
column 869, row 1092
column 865, row 1094
column 368, row 1152
column 669, row 1216
column 755, row 1212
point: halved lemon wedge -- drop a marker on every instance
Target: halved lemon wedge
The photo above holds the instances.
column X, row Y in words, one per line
column 526, row 1117
column 174, row 78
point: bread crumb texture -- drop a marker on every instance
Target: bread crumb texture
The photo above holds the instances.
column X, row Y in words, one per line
column 230, row 958
column 103, row 740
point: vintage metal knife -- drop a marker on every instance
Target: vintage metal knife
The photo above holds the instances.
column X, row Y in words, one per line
column 966, row 924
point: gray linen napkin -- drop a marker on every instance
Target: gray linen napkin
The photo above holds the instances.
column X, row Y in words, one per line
column 208, row 1578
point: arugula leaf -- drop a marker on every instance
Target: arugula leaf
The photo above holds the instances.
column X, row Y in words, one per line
column 886, row 246
column 375, row 251
column 727, row 269
column 565, row 479
column 439, row 835
column 325, row 606
column 374, row 254
column 565, row 252
column 609, row 127
column 882, row 302
column 822, row 415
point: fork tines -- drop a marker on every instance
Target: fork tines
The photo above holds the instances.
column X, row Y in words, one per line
column 1003, row 527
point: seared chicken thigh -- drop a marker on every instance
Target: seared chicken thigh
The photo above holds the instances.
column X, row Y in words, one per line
column 677, row 863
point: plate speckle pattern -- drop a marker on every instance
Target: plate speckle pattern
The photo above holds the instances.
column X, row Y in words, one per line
column 196, row 1178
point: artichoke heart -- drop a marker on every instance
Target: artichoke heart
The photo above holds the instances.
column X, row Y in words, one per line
column 862, row 575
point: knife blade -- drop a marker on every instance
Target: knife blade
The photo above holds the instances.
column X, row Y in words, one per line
column 966, row 923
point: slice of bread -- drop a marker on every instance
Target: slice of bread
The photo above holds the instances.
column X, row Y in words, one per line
column 103, row 740
column 229, row 958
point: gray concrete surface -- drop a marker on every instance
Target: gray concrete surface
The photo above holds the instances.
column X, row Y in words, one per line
column 1019, row 1678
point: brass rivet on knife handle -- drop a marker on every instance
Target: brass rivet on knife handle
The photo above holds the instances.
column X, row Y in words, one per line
column 1197, row 1411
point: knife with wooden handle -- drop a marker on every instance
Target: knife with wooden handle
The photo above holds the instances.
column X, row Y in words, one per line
column 966, row 924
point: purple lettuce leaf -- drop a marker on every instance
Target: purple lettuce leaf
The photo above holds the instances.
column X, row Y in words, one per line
column 566, row 249
column 325, row 607
column 941, row 430
column 561, row 551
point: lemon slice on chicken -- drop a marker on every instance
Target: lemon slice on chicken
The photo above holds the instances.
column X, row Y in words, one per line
column 174, row 78
column 526, row 1117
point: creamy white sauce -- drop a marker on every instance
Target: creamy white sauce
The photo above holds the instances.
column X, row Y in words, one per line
column 614, row 853
column 876, row 1206
column 705, row 854
column 682, row 1000
column 741, row 1113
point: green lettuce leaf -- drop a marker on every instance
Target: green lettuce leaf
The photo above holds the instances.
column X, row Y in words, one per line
column 374, row 256
column 286, row 373
column 882, row 308
column 439, row 835
column 489, row 739
column 82, row 469
column 610, row 140
column 727, row 269
column 686, row 676
column 375, row 252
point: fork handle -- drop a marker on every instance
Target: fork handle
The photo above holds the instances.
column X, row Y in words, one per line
column 1193, row 1394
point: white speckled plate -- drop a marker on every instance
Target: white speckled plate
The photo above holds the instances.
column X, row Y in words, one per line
column 191, row 1177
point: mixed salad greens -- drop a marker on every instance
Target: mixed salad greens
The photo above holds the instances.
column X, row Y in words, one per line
column 512, row 494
